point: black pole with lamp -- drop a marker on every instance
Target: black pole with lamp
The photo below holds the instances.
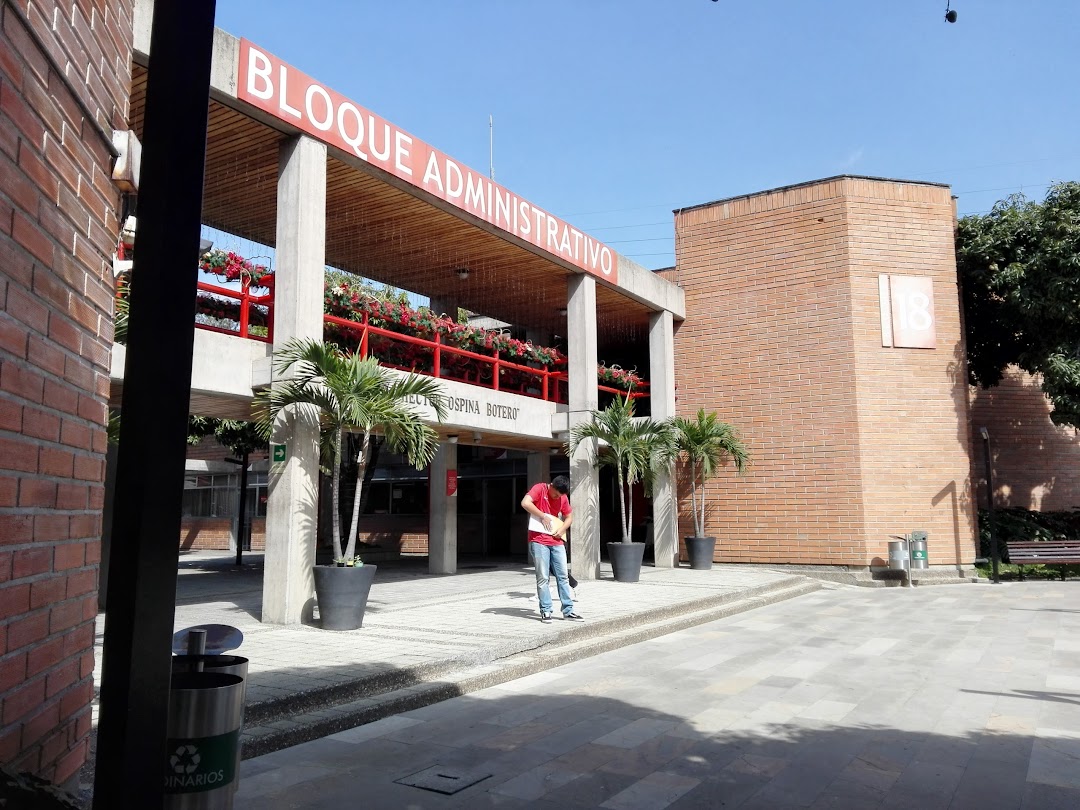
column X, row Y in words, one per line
column 995, row 552
column 137, row 646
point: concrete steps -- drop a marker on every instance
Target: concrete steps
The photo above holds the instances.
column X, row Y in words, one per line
column 301, row 717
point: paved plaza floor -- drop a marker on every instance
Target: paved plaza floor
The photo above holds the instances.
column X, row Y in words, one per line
column 965, row 696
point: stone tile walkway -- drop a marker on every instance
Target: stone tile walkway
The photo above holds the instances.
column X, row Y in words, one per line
column 960, row 697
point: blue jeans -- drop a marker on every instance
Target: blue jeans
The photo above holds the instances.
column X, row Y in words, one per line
column 551, row 559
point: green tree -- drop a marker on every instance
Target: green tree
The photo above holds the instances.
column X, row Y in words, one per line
column 636, row 448
column 1019, row 267
column 353, row 394
column 707, row 443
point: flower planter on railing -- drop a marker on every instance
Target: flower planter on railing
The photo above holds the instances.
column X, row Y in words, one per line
column 245, row 309
column 401, row 337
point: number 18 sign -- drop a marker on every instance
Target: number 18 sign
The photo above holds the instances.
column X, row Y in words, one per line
column 907, row 312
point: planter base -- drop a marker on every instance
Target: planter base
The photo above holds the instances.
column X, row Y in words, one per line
column 342, row 594
column 626, row 560
column 700, row 550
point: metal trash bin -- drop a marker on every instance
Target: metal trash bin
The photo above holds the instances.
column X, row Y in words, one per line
column 205, row 714
column 898, row 555
column 227, row 664
column 919, row 558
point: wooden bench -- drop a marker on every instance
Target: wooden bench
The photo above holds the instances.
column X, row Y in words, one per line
column 1043, row 552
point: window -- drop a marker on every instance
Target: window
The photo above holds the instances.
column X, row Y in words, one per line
column 218, row 494
column 210, row 494
column 397, row 498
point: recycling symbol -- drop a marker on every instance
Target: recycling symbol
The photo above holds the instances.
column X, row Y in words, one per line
column 185, row 760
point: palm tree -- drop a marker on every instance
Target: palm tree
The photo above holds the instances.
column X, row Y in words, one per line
column 636, row 448
column 353, row 394
column 707, row 443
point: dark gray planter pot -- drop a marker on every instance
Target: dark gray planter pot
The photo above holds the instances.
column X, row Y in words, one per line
column 342, row 594
column 626, row 560
column 700, row 550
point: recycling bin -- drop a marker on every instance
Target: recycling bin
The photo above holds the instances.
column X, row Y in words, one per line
column 919, row 557
column 898, row 555
column 227, row 664
column 203, row 749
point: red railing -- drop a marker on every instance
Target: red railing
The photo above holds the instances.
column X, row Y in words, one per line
column 246, row 302
column 429, row 357
column 437, row 359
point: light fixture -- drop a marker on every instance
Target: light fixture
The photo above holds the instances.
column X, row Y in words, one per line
column 950, row 14
column 561, row 311
column 452, row 438
column 476, row 437
column 462, row 273
column 554, row 451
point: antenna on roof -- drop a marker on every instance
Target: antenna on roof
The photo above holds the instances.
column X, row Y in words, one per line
column 491, row 146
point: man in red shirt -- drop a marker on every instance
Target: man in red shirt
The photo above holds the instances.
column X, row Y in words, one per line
column 547, row 541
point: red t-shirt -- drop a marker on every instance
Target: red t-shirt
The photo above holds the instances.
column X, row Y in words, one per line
column 560, row 508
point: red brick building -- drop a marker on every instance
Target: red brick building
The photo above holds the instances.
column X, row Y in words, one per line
column 64, row 75
column 1035, row 461
column 852, row 441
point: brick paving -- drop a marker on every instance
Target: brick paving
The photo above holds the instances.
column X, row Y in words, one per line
column 428, row 636
column 967, row 696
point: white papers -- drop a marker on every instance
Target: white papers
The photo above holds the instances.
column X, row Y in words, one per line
column 535, row 525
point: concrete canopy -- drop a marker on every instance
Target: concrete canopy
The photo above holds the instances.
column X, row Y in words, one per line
column 390, row 232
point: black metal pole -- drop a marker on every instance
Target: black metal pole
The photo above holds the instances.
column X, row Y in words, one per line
column 995, row 552
column 241, row 524
column 136, row 666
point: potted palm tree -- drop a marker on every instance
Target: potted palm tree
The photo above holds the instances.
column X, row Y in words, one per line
column 352, row 394
column 706, row 443
column 636, row 448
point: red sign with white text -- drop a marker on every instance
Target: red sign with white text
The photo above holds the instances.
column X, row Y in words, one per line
column 285, row 93
column 451, row 482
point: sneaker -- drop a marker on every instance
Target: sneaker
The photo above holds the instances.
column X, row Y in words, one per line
column 573, row 617
column 545, row 617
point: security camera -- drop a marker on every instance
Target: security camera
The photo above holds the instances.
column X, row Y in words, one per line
column 950, row 16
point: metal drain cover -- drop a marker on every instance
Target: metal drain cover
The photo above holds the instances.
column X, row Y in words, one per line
column 442, row 779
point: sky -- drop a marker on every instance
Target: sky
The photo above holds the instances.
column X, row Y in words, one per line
column 612, row 113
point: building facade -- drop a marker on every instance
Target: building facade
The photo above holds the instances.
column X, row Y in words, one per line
column 853, row 441
column 822, row 320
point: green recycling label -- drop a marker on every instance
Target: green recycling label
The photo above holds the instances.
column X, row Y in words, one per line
column 198, row 764
column 918, row 554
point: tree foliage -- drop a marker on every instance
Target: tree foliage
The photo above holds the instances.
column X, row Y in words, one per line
column 1019, row 267
column 707, row 443
column 353, row 394
column 636, row 448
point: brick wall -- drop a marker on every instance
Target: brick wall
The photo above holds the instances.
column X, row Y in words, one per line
column 64, row 71
column 850, row 442
column 1036, row 463
column 215, row 534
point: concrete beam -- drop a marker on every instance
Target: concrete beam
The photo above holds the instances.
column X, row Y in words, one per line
column 648, row 288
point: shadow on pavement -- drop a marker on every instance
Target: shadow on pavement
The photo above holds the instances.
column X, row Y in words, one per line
column 573, row 749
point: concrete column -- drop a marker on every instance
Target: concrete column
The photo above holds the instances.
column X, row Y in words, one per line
column 584, row 478
column 292, row 505
column 662, row 400
column 442, row 513
column 538, row 468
